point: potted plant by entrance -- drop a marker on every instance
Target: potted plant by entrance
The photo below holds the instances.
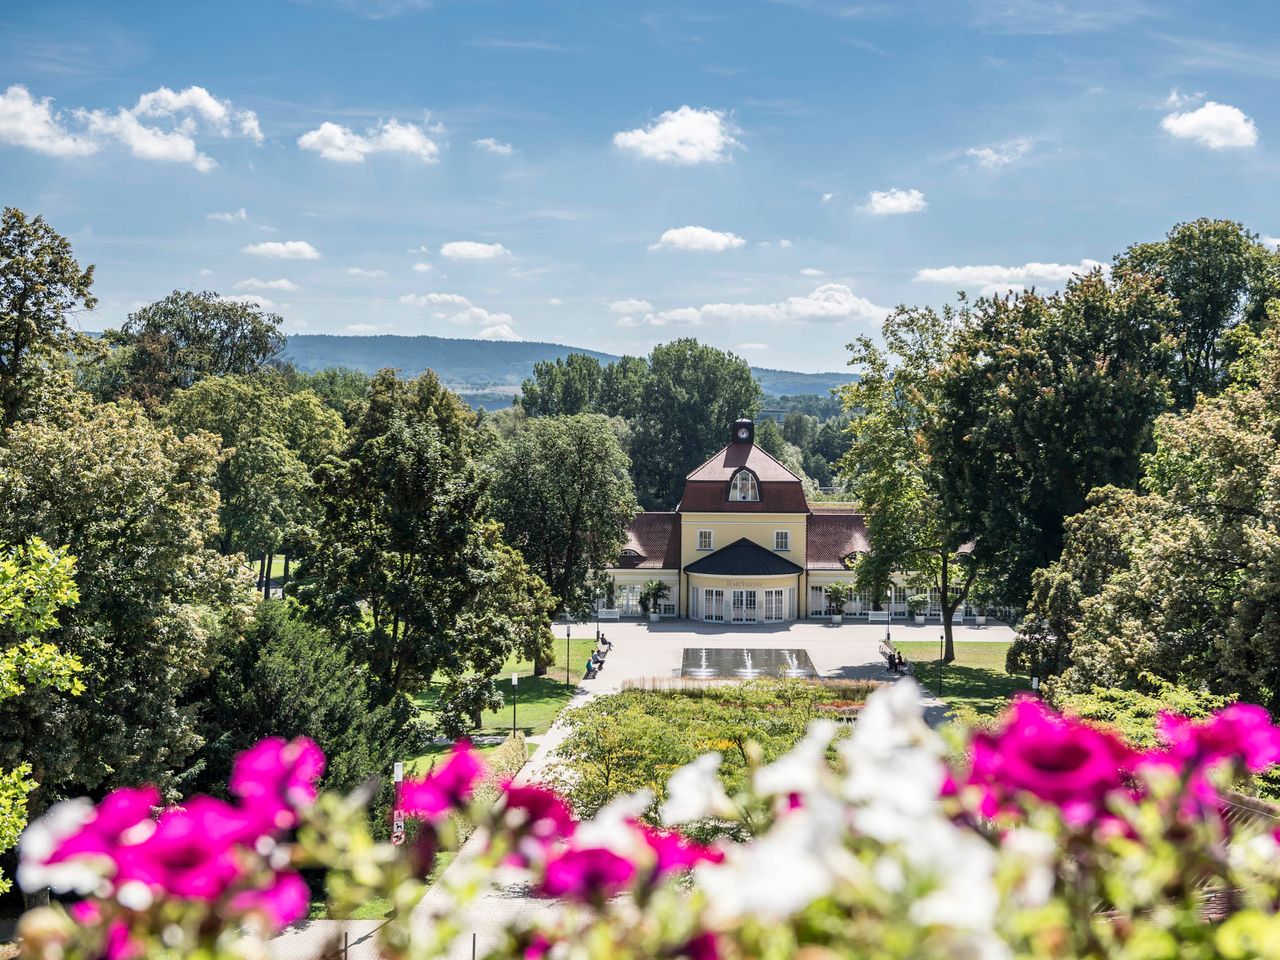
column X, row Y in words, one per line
column 981, row 597
column 917, row 605
column 837, row 594
column 652, row 594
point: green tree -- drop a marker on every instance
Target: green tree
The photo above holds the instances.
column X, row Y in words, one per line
column 692, row 396
column 888, row 468
column 41, row 285
column 1040, row 400
column 800, row 429
column 137, row 507
column 562, row 387
column 563, row 492
column 172, row 343
column 284, row 677
column 35, row 584
column 340, row 388
column 405, row 565
column 1220, row 277
column 622, row 387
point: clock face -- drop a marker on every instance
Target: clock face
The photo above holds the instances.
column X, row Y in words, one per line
column 743, row 432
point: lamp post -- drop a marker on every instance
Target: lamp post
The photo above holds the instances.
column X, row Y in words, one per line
column 514, row 688
column 566, row 646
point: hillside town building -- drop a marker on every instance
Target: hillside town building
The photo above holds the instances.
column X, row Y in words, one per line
column 745, row 545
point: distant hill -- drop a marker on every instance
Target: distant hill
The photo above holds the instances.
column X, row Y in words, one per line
column 493, row 368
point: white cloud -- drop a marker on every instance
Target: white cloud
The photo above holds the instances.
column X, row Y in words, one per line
column 745, row 347
column 829, row 303
column 827, row 198
column 27, row 122
column 422, row 249
column 1001, row 154
column 230, row 217
column 253, row 283
column 631, row 306
column 342, row 145
column 812, row 272
column 364, row 328
column 684, row 136
column 784, row 243
column 890, row 202
column 32, row 123
column 499, row 331
column 554, row 302
column 283, row 250
column 471, row 250
column 421, row 267
column 490, row 145
column 1272, row 242
column 206, row 272
column 1215, row 125
column 699, row 239
column 992, row 278
column 434, row 300
column 362, row 272
column 253, row 300
column 1177, row 100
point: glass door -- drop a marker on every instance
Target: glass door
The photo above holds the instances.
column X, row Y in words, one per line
column 739, row 606
column 773, row 606
column 752, row 611
column 714, row 605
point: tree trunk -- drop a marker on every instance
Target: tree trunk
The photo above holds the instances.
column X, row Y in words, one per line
column 539, row 665
column 262, row 570
column 285, row 582
column 949, row 606
column 475, row 718
column 266, row 575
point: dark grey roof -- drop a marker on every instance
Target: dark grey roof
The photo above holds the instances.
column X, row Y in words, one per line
column 744, row 558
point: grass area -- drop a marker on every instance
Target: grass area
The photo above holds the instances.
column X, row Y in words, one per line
column 539, row 700
column 976, row 678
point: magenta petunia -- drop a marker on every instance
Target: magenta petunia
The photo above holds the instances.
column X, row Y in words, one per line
column 280, row 904
column 1055, row 758
column 702, row 947
column 674, row 852
column 449, row 787
column 587, row 875
column 192, row 853
column 275, row 778
column 1242, row 732
column 121, row 813
column 537, row 819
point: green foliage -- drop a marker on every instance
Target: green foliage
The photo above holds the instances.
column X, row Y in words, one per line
column 175, row 342
column 41, row 285
column 406, row 567
column 1220, row 277
column 1040, row 400
column 693, row 394
column 341, row 389
column 636, row 739
column 838, row 594
column 562, row 491
column 652, row 594
column 1132, row 713
column 562, row 387
column 284, row 677
column 137, row 507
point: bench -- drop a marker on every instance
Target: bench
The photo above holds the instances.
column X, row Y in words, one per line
column 609, row 613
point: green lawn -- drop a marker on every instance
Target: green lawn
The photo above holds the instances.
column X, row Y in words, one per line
column 539, row 700
column 976, row 677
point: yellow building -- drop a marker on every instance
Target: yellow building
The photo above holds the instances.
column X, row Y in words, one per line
column 745, row 545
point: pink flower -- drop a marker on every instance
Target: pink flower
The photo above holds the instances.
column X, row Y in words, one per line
column 538, row 818
column 588, row 875
column 120, row 812
column 674, row 852
column 1057, row 759
column 280, row 904
column 276, row 778
column 449, row 787
column 1242, row 731
column 538, row 947
column 192, row 853
column 702, row 947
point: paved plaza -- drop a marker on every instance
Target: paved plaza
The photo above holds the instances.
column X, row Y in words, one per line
column 641, row 652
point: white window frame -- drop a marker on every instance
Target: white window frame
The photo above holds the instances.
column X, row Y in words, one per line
column 781, row 541
column 710, row 538
column 743, row 487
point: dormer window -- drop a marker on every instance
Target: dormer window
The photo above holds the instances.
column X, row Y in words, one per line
column 743, row 486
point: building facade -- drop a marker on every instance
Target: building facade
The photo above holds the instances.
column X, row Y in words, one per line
column 745, row 546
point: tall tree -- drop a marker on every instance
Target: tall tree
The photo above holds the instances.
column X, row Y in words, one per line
column 692, row 396
column 405, row 564
column 1219, row 276
column 562, row 387
column 41, row 285
column 888, row 468
column 172, row 343
column 137, row 507
column 563, row 493
column 622, row 387
column 1040, row 400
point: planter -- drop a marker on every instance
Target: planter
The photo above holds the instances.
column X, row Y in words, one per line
column 980, row 619
column 920, row 618
column 837, row 619
column 654, row 617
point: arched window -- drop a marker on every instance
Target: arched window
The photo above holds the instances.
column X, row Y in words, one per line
column 743, row 486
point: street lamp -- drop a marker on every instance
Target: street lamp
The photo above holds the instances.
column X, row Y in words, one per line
column 567, row 627
column 514, row 688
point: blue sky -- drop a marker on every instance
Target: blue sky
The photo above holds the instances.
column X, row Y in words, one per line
column 767, row 176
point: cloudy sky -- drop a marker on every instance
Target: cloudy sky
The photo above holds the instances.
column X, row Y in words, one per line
column 770, row 177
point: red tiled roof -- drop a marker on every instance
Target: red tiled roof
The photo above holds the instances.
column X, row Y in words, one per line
column 723, row 465
column 713, row 495
column 831, row 535
column 653, row 539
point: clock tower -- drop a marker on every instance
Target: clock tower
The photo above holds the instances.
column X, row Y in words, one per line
column 744, row 431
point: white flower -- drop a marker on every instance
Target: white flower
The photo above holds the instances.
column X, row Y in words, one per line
column 613, row 826
column 1035, row 853
column 962, row 866
column 803, row 768
column 39, row 841
column 694, row 792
